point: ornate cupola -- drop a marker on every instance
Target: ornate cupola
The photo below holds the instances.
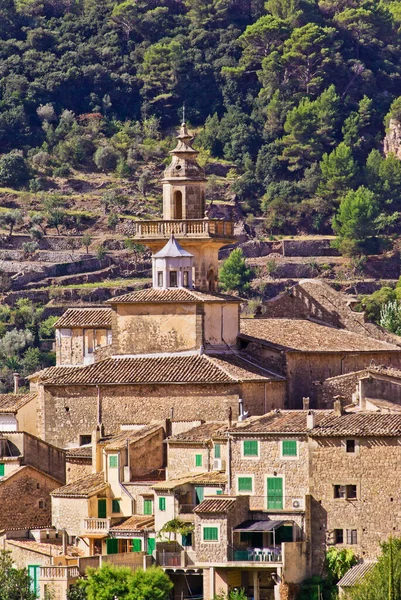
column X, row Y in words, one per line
column 172, row 266
column 184, row 182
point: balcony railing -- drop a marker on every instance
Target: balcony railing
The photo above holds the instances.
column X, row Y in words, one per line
column 96, row 526
column 181, row 558
column 65, row 573
column 194, row 227
column 257, row 554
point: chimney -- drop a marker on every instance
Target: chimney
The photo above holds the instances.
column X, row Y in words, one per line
column 306, row 402
column 96, row 451
column 16, row 382
column 242, row 415
column 338, row 406
column 310, row 418
column 230, row 417
column 362, row 392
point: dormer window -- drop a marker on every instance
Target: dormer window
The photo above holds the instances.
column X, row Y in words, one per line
column 173, row 278
column 160, row 279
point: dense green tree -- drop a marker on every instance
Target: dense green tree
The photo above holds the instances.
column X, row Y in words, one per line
column 15, row 584
column 14, row 169
column 355, row 219
column 338, row 172
column 234, row 274
column 109, row 582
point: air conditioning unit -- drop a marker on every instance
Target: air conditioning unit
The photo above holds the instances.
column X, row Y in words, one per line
column 219, row 464
column 298, row 503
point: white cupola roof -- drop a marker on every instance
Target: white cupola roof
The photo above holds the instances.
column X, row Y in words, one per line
column 172, row 266
column 172, row 250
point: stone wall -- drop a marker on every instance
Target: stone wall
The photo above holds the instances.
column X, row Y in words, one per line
column 147, row 454
column 39, row 454
column 77, row 469
column 22, row 557
column 181, row 458
column 30, row 487
column 341, row 385
column 69, row 513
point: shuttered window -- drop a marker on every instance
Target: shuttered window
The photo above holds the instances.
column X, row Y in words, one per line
column 147, row 507
column 251, row 448
column 137, row 545
column 210, row 534
column 113, row 461
column 245, row 484
column 115, row 506
column 289, row 448
column 217, row 451
column 112, row 546
column 198, row 460
column 2, row 469
column 162, row 504
column 275, row 493
column 34, row 573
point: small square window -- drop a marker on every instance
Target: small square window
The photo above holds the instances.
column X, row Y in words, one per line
column 113, row 461
column 210, row 534
column 251, row 448
column 245, row 484
column 347, row 492
column 338, row 536
column 115, row 506
column 352, row 536
column 350, row 446
column 198, row 460
column 289, row 448
column 162, row 504
column 41, row 504
column 85, row 439
column 340, row 491
column 351, row 492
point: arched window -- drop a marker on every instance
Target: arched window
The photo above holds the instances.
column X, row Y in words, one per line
column 177, row 205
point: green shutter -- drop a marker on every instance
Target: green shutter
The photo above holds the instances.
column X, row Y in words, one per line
column 137, row 545
column 245, row 484
column 115, row 506
column 112, row 545
column 210, row 534
column 250, row 448
column 2, row 469
column 101, row 508
column 34, row 574
column 162, row 503
column 219, row 492
column 275, row 493
column 147, row 507
column 289, row 448
column 217, row 451
column 113, row 461
column 199, row 494
column 198, row 460
column 151, row 545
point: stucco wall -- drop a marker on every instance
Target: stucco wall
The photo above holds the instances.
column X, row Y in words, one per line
column 69, row 513
column 181, row 458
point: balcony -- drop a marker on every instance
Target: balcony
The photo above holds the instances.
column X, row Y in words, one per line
column 58, row 573
column 189, row 228
column 257, row 555
column 96, row 527
column 180, row 559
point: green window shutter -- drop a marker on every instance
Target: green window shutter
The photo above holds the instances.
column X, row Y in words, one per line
column 101, row 508
column 245, row 484
column 115, row 506
column 162, row 504
column 137, row 545
column 289, row 448
column 113, row 461
column 2, row 469
column 34, row 574
column 199, row 494
column 151, row 545
column 112, row 545
column 147, row 507
column 198, row 460
column 250, row 448
column 217, row 450
column 210, row 534
column 219, row 492
column 275, row 493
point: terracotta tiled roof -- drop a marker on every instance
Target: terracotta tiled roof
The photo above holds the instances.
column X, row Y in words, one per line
column 207, row 478
column 202, row 433
column 359, row 425
column 48, row 549
column 192, row 368
column 10, row 403
column 135, row 523
column 220, row 504
column 354, row 575
column 159, row 295
column 383, row 405
column 82, row 488
column 80, row 452
column 383, row 370
column 119, row 440
column 306, row 336
column 85, row 317
column 281, row 421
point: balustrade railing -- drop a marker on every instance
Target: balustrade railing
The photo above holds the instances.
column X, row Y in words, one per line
column 94, row 525
column 53, row 572
column 188, row 227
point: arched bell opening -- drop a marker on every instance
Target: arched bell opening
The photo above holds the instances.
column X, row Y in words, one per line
column 177, row 205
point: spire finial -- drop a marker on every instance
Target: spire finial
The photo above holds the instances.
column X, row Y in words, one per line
column 183, row 113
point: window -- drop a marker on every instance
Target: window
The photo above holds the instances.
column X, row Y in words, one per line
column 352, row 536
column 251, row 448
column 159, row 278
column 219, row 492
column 137, row 545
column 185, row 278
column 350, row 446
column 289, row 448
column 115, row 506
column 173, row 278
column 338, row 536
column 2, row 469
column 41, row 504
column 85, row 439
column 186, row 539
column 162, row 504
column 346, row 492
column 245, row 484
column 198, row 460
column 113, row 461
column 148, row 507
column 217, row 450
column 210, row 534
column 34, row 574
column 275, row 493
column 112, row 546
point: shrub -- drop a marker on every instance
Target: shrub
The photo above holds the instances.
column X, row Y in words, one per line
column 14, row 169
column 105, row 158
